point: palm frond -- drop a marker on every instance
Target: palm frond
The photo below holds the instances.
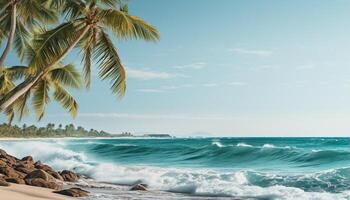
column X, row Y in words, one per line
column 67, row 76
column 40, row 98
column 30, row 11
column 51, row 44
column 125, row 26
column 21, row 40
column 21, row 106
column 65, row 99
column 110, row 66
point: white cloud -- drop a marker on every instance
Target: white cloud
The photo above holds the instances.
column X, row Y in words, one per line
column 157, row 116
column 150, row 90
column 237, row 83
column 210, row 84
column 255, row 52
column 147, row 74
column 198, row 65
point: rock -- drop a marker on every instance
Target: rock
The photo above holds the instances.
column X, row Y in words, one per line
column 15, row 180
column 69, row 176
column 38, row 163
column 141, row 187
column 24, row 170
column 3, row 153
column 28, row 159
column 73, row 192
column 4, row 183
column 3, row 163
column 43, row 167
column 40, row 174
column 20, row 174
column 56, row 175
column 9, row 160
column 39, row 182
column 25, row 164
column 8, row 172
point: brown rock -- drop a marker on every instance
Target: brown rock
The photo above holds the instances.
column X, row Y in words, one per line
column 138, row 187
column 25, row 164
column 2, row 163
column 24, row 170
column 9, row 160
column 28, row 159
column 39, row 182
column 8, row 172
column 73, row 192
column 15, row 180
column 3, row 182
column 3, row 153
column 69, row 176
column 56, row 175
column 43, row 167
column 40, row 174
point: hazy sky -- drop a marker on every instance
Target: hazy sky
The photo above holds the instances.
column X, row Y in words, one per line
column 229, row 67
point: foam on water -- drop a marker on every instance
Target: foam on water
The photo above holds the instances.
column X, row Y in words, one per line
column 326, row 184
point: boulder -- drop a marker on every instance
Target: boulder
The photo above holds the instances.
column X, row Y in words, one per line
column 3, row 153
column 28, row 159
column 43, row 167
column 40, row 174
column 4, row 183
column 73, row 192
column 20, row 174
column 69, row 176
column 8, row 172
column 9, row 160
column 56, row 175
column 24, row 170
column 15, row 180
column 39, row 182
column 3, row 163
column 141, row 187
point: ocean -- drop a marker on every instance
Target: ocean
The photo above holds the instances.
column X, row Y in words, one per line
column 201, row 168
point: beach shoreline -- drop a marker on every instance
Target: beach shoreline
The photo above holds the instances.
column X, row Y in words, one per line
column 26, row 192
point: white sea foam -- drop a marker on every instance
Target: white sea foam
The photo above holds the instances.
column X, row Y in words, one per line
column 268, row 146
column 243, row 145
column 204, row 182
column 218, row 144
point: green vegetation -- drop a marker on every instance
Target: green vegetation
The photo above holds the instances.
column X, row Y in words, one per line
column 44, row 32
column 48, row 131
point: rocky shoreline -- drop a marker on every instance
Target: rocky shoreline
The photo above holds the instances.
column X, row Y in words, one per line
column 26, row 171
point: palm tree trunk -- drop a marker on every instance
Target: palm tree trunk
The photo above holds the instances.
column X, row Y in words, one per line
column 11, row 36
column 26, row 85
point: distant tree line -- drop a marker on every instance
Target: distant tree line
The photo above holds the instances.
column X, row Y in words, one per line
column 49, row 131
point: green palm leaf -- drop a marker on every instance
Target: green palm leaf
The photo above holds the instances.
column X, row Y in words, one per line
column 109, row 63
column 65, row 99
column 40, row 98
column 67, row 76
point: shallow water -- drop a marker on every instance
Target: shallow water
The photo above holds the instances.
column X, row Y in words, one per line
column 257, row 168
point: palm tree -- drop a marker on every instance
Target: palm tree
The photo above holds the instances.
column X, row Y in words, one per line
column 18, row 15
column 58, row 79
column 89, row 24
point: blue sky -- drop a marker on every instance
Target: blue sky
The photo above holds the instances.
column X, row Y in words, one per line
column 228, row 67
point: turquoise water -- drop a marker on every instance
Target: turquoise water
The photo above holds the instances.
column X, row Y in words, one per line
column 262, row 168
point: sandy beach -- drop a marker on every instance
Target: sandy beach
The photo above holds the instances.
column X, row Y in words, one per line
column 25, row 192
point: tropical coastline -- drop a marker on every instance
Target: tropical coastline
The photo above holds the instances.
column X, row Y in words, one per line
column 235, row 100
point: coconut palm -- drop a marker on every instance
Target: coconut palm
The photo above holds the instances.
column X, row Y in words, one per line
column 18, row 15
column 88, row 27
column 57, row 80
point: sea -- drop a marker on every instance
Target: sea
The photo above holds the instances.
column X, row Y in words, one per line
column 200, row 168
